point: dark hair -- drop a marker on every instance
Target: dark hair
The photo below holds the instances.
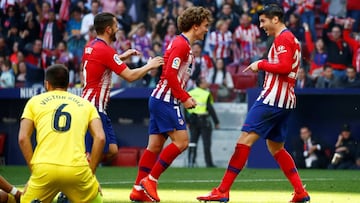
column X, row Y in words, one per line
column 193, row 16
column 102, row 20
column 57, row 75
column 271, row 11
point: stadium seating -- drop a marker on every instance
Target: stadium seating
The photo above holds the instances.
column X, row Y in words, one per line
column 242, row 80
column 127, row 157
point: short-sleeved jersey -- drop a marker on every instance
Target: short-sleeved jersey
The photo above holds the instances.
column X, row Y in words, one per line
column 178, row 60
column 99, row 61
column 61, row 120
column 281, row 71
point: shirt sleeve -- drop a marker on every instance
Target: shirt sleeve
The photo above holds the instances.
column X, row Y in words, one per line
column 285, row 59
column 113, row 61
column 177, row 57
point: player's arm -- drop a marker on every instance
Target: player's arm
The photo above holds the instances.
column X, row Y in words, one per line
column 175, row 60
column 285, row 63
column 25, row 132
column 97, row 132
column 131, row 75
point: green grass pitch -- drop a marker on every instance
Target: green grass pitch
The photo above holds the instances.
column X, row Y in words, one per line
column 251, row 186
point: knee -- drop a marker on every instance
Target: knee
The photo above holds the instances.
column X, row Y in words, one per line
column 183, row 145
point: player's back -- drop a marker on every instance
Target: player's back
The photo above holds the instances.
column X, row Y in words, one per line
column 61, row 120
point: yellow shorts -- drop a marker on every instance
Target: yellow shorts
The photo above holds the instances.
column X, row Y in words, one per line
column 47, row 180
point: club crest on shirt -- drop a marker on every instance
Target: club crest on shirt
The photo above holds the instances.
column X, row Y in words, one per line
column 117, row 59
column 181, row 121
column 176, row 63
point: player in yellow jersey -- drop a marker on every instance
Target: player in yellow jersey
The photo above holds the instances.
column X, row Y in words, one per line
column 58, row 162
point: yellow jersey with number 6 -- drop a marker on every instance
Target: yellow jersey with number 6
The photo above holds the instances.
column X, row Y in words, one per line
column 61, row 120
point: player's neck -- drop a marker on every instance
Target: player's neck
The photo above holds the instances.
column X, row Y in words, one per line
column 280, row 30
column 189, row 37
column 104, row 38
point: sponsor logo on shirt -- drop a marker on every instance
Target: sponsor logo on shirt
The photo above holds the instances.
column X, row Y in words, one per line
column 117, row 59
column 281, row 49
column 176, row 63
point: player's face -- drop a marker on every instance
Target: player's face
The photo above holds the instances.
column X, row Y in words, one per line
column 267, row 25
column 201, row 30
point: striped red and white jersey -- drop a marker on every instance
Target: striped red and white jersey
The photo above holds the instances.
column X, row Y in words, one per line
column 99, row 61
column 281, row 71
column 246, row 38
column 177, row 69
column 220, row 44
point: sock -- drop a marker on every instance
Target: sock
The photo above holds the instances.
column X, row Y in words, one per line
column 288, row 167
column 236, row 164
column 166, row 157
column 146, row 163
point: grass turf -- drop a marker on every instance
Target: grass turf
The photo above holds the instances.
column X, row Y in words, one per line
column 252, row 185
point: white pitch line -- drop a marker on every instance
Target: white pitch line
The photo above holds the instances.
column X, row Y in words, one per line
column 239, row 180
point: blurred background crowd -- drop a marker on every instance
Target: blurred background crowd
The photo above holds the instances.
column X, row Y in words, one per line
column 37, row 33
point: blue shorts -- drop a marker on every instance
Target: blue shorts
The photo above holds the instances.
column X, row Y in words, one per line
column 267, row 121
column 109, row 134
column 164, row 117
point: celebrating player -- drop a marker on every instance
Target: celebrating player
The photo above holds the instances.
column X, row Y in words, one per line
column 61, row 120
column 268, row 116
column 99, row 61
column 166, row 119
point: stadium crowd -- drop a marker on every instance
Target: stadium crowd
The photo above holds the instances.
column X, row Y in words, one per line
column 39, row 33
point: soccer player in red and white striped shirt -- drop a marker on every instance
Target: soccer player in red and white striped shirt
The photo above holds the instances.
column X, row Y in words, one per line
column 269, row 115
column 166, row 119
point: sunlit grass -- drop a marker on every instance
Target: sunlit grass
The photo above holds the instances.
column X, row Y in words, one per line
column 180, row 185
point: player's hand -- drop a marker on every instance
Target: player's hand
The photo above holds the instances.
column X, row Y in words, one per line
column 128, row 53
column 253, row 67
column 18, row 196
column 155, row 62
column 190, row 103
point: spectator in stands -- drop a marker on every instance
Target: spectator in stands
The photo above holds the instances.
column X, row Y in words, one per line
column 294, row 25
column 35, row 65
column 345, row 150
column 63, row 56
column 350, row 80
column 52, row 33
column 109, row 5
column 303, row 80
column 203, row 63
column 336, row 8
column 354, row 43
column 328, row 79
column 7, row 78
column 220, row 42
column 21, row 75
column 88, row 19
column 14, row 55
column 247, row 37
column 122, row 43
column 309, row 152
column 138, row 10
column 170, row 35
column 10, row 18
column 13, row 36
column 124, row 19
column 229, row 16
column 4, row 50
column 141, row 42
column 31, row 30
column 353, row 11
column 339, row 52
column 75, row 40
column 222, row 78
column 305, row 8
column 318, row 54
column 152, row 78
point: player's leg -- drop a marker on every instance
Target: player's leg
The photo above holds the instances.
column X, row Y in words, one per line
column 146, row 163
column 79, row 184
column 41, row 184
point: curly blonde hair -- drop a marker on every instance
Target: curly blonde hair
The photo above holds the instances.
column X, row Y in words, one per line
column 193, row 16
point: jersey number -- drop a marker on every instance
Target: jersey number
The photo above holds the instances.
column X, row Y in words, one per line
column 62, row 119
